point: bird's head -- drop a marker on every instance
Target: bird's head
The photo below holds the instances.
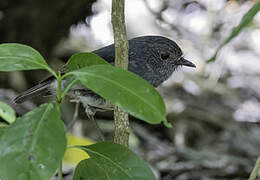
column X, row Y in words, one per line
column 162, row 57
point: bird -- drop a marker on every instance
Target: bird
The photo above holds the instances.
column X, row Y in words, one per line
column 154, row 58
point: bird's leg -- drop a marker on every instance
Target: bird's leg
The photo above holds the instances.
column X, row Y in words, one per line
column 92, row 103
column 91, row 111
column 75, row 115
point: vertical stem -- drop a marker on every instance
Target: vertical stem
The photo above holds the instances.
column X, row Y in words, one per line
column 59, row 98
column 121, row 60
column 121, row 127
column 60, row 171
column 59, row 90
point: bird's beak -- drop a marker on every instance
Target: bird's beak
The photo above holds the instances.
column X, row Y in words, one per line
column 185, row 62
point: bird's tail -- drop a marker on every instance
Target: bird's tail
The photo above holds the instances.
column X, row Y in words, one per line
column 39, row 89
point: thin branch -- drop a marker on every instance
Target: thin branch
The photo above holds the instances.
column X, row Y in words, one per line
column 121, row 60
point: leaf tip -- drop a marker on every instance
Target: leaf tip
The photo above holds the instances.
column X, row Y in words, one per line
column 167, row 124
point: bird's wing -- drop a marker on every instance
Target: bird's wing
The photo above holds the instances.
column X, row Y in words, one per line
column 107, row 53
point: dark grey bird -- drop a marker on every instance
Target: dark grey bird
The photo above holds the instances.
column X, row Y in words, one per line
column 154, row 58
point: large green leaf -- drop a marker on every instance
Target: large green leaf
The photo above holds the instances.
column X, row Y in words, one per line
column 7, row 113
column 33, row 146
column 2, row 130
column 247, row 18
column 17, row 57
column 126, row 90
column 84, row 59
column 110, row 161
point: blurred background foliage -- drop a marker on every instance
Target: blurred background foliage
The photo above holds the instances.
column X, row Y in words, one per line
column 214, row 108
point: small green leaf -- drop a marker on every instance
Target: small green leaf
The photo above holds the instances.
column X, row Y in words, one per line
column 17, row 57
column 78, row 61
column 7, row 113
column 255, row 171
column 33, row 146
column 84, row 59
column 247, row 18
column 112, row 161
column 126, row 90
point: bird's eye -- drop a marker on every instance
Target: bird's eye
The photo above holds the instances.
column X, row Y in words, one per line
column 164, row 55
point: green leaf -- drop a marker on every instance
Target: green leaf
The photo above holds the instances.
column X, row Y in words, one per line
column 255, row 171
column 2, row 130
column 3, row 124
column 17, row 57
column 247, row 18
column 84, row 59
column 126, row 90
column 112, row 161
column 78, row 61
column 33, row 146
column 7, row 113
